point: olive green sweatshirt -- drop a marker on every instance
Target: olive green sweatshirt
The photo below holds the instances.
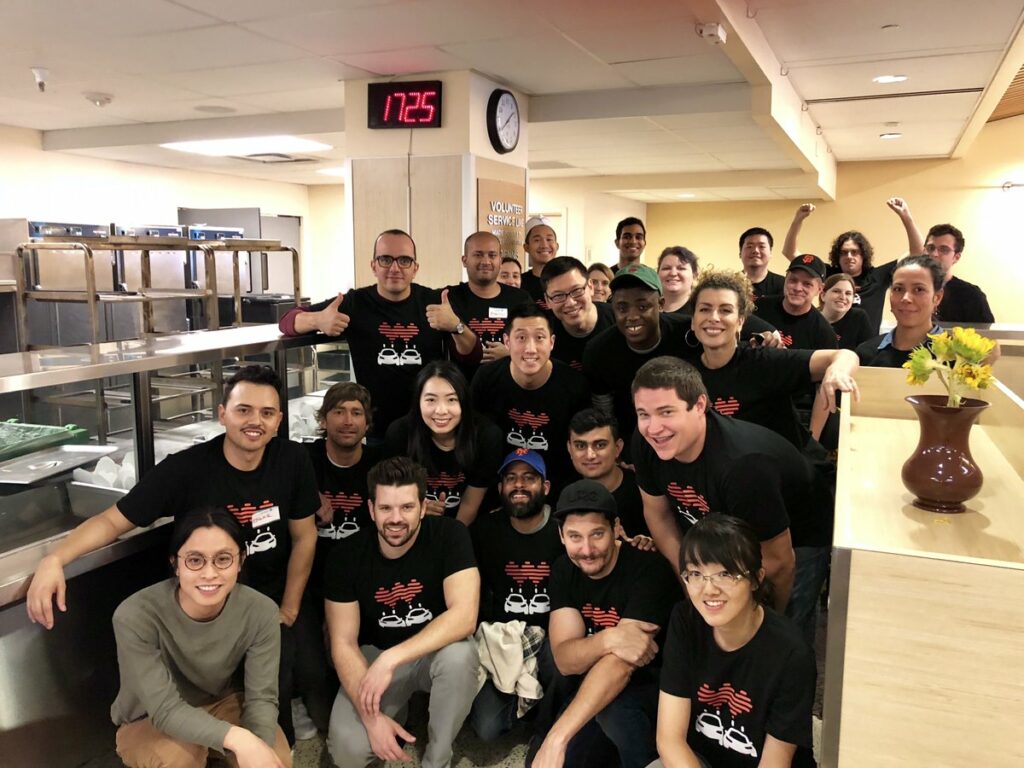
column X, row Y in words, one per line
column 172, row 665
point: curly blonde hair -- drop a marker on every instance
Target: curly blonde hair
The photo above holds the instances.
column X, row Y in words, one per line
column 726, row 280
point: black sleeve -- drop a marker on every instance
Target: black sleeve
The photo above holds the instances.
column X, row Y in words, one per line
column 753, row 492
column 481, row 386
column 457, row 547
column 644, row 463
column 484, row 471
column 396, row 439
column 677, row 670
column 305, row 494
column 860, row 329
column 825, row 335
column 559, row 586
column 755, row 324
column 594, row 359
column 341, row 570
column 654, row 590
column 789, row 711
column 161, row 491
column 867, row 351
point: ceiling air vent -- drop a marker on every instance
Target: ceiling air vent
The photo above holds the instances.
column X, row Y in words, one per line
column 276, row 158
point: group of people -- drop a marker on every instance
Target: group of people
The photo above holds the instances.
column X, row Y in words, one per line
column 611, row 519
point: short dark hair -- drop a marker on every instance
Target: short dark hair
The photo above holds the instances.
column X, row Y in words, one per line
column 343, row 392
column 866, row 251
column 667, row 372
column 628, row 222
column 938, row 274
column 682, row 253
column 401, row 232
column 254, row 374
column 396, row 471
column 205, row 517
column 757, row 231
column 526, row 310
column 593, row 418
column 484, row 233
column 559, row 266
column 729, row 542
column 948, row 229
column 512, row 260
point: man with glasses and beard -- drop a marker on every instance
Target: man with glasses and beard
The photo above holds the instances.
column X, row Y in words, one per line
column 393, row 328
column 515, row 547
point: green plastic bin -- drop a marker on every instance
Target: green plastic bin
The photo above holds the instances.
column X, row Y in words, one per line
column 17, row 439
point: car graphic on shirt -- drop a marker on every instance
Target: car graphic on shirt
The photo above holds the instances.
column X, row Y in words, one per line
column 516, row 439
column 537, row 443
column 450, row 502
column 390, row 621
column 388, row 356
column 342, row 530
column 738, row 741
column 418, row 615
column 516, row 603
column 411, row 357
column 540, row 603
column 710, row 725
column 262, row 543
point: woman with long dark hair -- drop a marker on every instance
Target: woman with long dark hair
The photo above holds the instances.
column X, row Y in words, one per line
column 460, row 449
column 179, row 645
column 737, row 681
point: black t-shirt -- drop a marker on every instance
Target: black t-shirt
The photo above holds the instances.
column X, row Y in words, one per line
column 533, row 286
column 515, row 568
column 871, row 286
column 485, row 317
column 345, row 488
column 444, row 473
column 263, row 500
column 758, row 385
column 641, row 587
column 737, row 698
column 397, row 598
column 853, row 328
column 389, row 342
column 963, row 302
column 630, row 505
column 807, row 331
column 881, row 352
column 770, row 286
column 744, row 470
column 533, row 418
column 568, row 348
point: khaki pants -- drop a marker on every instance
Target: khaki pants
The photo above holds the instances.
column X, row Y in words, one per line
column 141, row 745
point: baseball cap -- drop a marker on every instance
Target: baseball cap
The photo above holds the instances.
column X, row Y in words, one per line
column 636, row 273
column 586, row 496
column 534, row 459
column 809, row 263
column 536, row 221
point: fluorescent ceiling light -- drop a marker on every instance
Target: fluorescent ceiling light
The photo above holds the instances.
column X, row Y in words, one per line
column 890, row 135
column 336, row 171
column 686, row 195
column 251, row 145
column 888, row 79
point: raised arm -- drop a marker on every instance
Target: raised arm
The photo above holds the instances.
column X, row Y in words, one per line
column 48, row 582
column 915, row 243
column 789, row 249
column 835, row 369
column 329, row 319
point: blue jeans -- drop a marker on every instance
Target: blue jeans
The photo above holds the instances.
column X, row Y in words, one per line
column 811, row 569
column 494, row 712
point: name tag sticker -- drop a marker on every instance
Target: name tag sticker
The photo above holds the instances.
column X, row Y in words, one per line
column 498, row 312
column 265, row 516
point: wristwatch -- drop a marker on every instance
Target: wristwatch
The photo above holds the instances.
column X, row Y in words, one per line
column 460, row 328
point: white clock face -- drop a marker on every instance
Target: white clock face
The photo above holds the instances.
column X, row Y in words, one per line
column 506, row 120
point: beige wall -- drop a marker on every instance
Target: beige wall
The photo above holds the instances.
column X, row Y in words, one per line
column 327, row 258
column 966, row 192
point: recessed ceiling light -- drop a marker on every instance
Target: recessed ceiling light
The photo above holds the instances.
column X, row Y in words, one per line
column 215, row 109
column 336, row 171
column 686, row 195
column 888, row 79
column 250, row 145
column 890, row 135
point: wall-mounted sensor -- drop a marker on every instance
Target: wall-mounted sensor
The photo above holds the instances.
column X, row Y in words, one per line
column 41, row 74
column 713, row 33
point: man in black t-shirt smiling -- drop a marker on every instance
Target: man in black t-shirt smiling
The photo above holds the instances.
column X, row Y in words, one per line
column 794, row 313
column 402, row 601
column 393, row 328
column 570, row 299
column 610, row 607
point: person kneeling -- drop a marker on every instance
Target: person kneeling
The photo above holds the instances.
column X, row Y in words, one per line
column 737, row 685
column 179, row 645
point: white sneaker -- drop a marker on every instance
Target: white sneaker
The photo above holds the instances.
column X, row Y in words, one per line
column 301, row 721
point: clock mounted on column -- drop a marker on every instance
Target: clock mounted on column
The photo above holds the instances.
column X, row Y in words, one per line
column 503, row 121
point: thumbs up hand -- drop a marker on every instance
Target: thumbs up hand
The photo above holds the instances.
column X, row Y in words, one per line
column 330, row 320
column 441, row 317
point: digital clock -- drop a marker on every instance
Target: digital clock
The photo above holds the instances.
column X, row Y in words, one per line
column 404, row 105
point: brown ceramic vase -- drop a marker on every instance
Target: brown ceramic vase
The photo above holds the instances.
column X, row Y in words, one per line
column 941, row 472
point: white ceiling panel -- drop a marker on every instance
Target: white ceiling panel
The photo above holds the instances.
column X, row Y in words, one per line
column 250, row 10
column 23, row 113
column 639, row 40
column 603, row 126
column 157, row 110
column 877, row 112
column 933, row 139
column 562, row 173
column 299, row 100
column 406, row 61
column 755, row 161
column 572, row 14
column 266, row 78
column 700, row 68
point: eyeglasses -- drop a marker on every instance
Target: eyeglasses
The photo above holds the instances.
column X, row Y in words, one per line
column 696, row 579
column 404, row 262
column 196, row 562
column 575, row 294
column 944, row 250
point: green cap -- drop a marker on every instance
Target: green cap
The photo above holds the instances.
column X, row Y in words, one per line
column 636, row 273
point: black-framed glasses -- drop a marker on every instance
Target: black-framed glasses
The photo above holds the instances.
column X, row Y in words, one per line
column 195, row 561
column 575, row 294
column 404, row 262
column 944, row 250
column 696, row 579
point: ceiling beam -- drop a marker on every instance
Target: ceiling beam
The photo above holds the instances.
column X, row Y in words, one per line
column 640, row 102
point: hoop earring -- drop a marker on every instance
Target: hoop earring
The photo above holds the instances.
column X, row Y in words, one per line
column 691, row 344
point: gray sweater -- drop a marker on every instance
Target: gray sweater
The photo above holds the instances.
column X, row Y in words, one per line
column 171, row 665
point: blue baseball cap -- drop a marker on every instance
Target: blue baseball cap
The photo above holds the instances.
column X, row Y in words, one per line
column 526, row 456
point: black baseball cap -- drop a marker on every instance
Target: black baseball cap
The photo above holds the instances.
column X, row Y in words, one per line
column 809, row 263
column 586, row 496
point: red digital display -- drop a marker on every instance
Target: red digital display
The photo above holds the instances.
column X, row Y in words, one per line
column 404, row 105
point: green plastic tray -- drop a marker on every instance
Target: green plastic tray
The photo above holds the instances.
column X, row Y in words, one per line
column 17, row 439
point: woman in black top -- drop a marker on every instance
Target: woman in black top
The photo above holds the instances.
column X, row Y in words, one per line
column 737, row 680
column 850, row 323
column 677, row 269
column 916, row 292
column 460, row 450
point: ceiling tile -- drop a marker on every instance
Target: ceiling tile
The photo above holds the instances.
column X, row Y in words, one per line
column 709, row 67
column 639, row 40
column 299, row 100
column 300, row 74
column 249, row 10
column 406, row 61
column 903, row 110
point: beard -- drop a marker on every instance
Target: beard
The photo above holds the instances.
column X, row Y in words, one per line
column 526, row 509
